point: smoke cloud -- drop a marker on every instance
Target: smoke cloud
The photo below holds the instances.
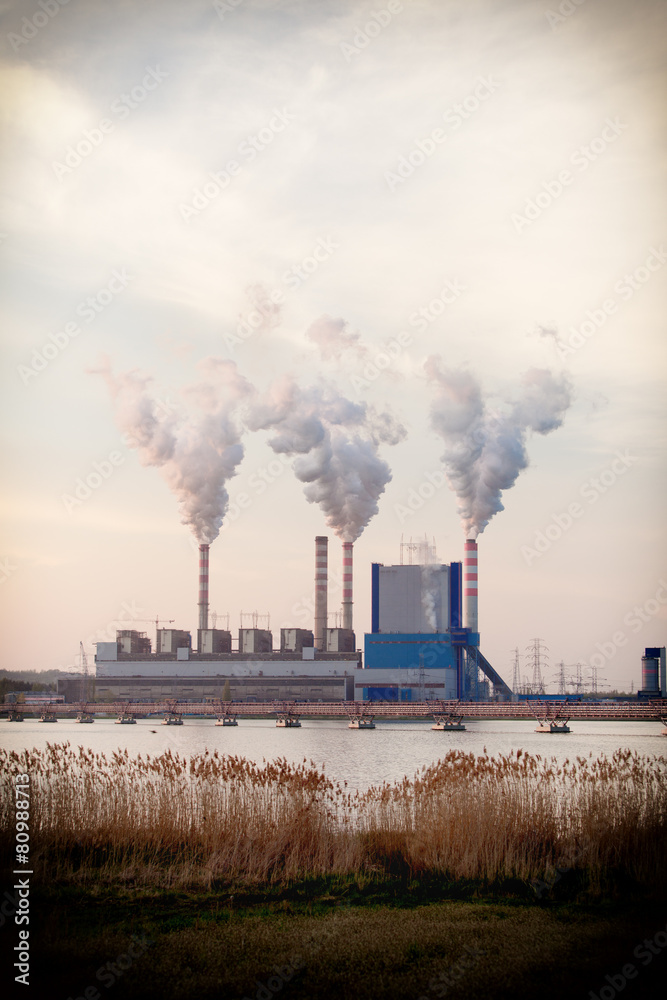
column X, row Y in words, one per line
column 485, row 450
column 334, row 443
column 196, row 450
column 333, row 338
column 430, row 583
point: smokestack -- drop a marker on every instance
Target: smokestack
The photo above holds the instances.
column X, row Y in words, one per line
column 321, row 552
column 470, row 585
column 347, row 585
column 203, row 586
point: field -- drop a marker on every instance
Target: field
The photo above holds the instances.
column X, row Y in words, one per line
column 510, row 871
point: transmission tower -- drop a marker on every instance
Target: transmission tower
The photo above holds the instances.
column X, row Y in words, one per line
column 539, row 654
column 578, row 682
column 561, row 678
column 516, row 675
column 595, row 680
column 85, row 683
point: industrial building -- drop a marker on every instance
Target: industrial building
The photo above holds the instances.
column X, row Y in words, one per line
column 418, row 630
column 263, row 676
column 423, row 644
column 654, row 673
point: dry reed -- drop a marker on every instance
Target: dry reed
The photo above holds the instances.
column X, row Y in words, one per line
column 214, row 819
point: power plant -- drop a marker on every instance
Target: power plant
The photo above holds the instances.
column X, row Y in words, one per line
column 419, row 647
column 424, row 641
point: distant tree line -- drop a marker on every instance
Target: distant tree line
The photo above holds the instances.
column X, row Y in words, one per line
column 9, row 684
column 28, row 680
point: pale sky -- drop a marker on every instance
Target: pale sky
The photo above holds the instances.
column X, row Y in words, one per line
column 482, row 181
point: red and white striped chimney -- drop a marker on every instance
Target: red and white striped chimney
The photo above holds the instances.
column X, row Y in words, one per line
column 347, row 585
column 321, row 559
column 203, row 586
column 470, row 585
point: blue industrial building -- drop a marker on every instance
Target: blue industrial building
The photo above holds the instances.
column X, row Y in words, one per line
column 418, row 640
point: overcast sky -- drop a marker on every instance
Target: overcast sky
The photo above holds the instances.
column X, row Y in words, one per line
column 481, row 181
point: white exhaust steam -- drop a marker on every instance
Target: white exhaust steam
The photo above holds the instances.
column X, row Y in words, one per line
column 430, row 583
column 335, row 444
column 485, row 450
column 196, row 451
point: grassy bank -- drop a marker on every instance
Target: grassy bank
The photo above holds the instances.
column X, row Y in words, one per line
column 176, row 946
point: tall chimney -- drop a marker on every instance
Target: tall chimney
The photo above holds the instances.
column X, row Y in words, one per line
column 203, row 586
column 470, row 585
column 321, row 552
column 347, row 585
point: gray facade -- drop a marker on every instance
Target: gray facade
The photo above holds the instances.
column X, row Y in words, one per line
column 414, row 598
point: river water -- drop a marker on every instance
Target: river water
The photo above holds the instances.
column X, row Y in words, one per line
column 362, row 758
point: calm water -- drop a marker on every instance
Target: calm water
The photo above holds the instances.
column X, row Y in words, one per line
column 388, row 752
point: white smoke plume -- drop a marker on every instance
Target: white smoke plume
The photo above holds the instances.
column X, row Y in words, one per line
column 333, row 338
column 334, row 443
column 196, row 450
column 486, row 450
column 430, row 584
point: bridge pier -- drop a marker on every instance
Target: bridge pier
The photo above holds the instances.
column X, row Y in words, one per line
column 448, row 719
column 448, row 723
column 226, row 720
column 287, row 716
column 361, row 722
column 172, row 719
column 224, row 715
column 553, row 726
column 286, row 720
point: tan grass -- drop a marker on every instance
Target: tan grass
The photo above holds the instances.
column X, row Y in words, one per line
column 171, row 821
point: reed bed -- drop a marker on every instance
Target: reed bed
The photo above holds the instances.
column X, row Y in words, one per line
column 218, row 820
